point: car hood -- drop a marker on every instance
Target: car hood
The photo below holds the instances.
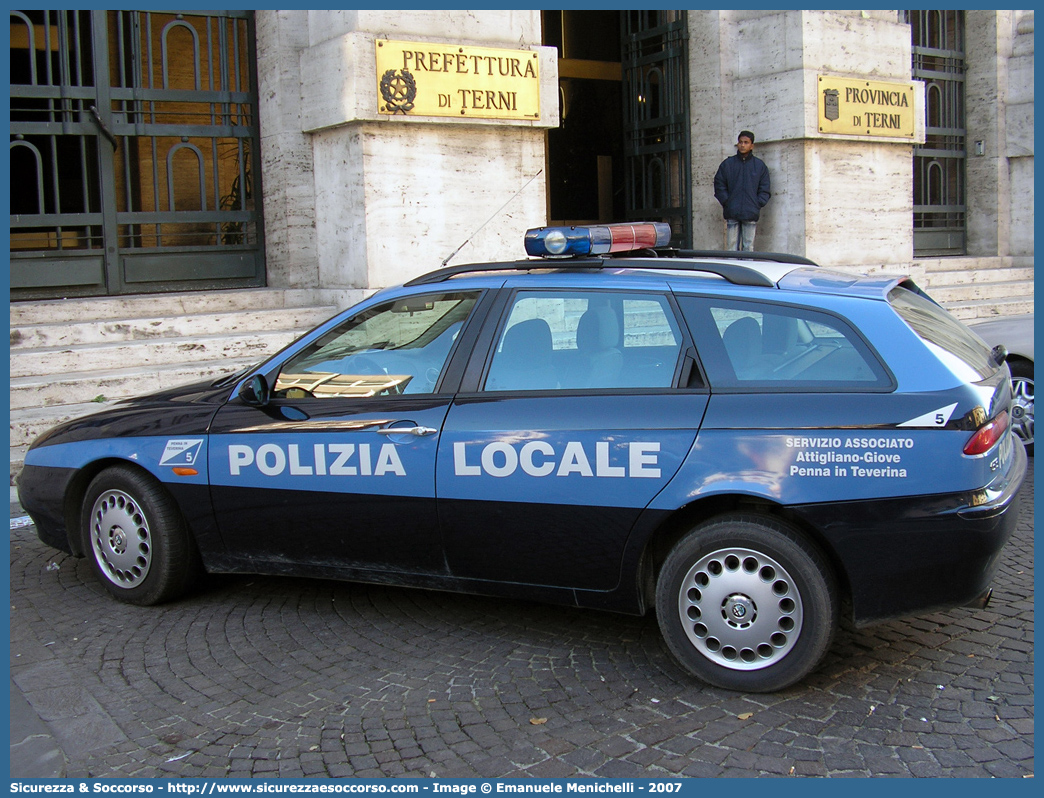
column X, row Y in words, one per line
column 210, row 392
column 185, row 410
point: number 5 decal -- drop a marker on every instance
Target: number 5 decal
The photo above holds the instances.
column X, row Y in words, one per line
column 936, row 418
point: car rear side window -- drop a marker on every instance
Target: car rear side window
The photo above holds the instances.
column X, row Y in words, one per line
column 752, row 346
column 952, row 342
column 558, row 340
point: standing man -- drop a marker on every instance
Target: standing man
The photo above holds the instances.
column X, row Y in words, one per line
column 742, row 187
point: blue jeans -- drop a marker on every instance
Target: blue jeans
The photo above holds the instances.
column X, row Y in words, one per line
column 739, row 235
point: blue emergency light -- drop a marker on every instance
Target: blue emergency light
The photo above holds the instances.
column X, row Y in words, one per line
column 564, row 242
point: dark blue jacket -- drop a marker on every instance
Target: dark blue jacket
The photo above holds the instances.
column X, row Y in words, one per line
column 742, row 187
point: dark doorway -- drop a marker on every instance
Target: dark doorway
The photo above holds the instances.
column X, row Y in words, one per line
column 621, row 152
column 585, row 154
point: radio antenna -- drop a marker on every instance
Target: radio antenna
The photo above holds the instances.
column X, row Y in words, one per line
column 491, row 218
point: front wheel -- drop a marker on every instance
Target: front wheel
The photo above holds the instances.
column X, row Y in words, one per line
column 745, row 603
column 136, row 539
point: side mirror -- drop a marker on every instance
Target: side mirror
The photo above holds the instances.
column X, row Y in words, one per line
column 255, row 391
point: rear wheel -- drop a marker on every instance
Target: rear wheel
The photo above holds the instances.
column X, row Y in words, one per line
column 136, row 539
column 1022, row 406
column 745, row 603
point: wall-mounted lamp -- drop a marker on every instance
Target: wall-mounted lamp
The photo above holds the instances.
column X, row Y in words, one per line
column 980, row 147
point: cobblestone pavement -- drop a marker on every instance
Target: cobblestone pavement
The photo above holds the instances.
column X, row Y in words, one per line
column 256, row 677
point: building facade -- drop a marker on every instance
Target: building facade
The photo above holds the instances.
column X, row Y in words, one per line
column 637, row 109
column 161, row 151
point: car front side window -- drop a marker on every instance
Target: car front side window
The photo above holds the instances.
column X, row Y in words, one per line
column 398, row 347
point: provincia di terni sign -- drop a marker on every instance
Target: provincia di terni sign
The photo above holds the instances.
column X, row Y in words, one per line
column 426, row 79
column 854, row 107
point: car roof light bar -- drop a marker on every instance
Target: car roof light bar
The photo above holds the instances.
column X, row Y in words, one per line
column 603, row 239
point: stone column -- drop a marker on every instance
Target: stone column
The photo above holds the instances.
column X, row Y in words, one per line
column 393, row 196
column 840, row 200
column 286, row 152
column 987, row 50
column 1019, row 136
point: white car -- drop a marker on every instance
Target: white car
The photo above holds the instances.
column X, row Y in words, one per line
column 1015, row 333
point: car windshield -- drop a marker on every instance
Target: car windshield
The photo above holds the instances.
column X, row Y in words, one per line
column 951, row 341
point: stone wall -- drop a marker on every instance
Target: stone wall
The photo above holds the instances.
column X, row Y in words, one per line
column 287, row 167
column 355, row 200
column 373, row 199
column 843, row 201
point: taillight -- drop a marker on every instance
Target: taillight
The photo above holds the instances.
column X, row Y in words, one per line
column 987, row 435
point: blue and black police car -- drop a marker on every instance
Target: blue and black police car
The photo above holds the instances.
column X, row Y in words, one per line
column 743, row 441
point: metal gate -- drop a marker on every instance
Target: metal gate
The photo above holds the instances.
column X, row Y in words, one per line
column 134, row 153
column 656, row 119
column 939, row 164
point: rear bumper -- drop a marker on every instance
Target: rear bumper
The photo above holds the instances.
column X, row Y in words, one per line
column 911, row 555
column 982, row 601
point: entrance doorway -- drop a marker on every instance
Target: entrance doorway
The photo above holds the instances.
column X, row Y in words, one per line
column 621, row 152
column 134, row 153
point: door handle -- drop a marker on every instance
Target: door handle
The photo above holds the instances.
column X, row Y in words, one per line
column 418, row 431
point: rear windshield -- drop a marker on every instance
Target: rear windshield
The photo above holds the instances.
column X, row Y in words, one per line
column 956, row 345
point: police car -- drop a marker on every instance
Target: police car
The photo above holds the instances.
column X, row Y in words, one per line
column 745, row 442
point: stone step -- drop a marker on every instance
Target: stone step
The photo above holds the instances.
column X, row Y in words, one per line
column 189, row 349
column 86, row 386
column 957, row 277
column 158, row 305
column 990, row 289
column 63, row 334
column 981, row 309
column 969, row 263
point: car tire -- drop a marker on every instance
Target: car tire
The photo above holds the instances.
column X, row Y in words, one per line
column 746, row 603
column 136, row 539
column 1022, row 409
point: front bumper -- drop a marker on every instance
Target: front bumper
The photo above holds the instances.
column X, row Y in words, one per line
column 41, row 492
column 910, row 555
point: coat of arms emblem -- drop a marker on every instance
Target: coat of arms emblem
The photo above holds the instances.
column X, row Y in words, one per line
column 399, row 90
column 831, row 104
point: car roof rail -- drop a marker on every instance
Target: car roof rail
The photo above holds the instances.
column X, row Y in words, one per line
column 778, row 257
column 733, row 272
